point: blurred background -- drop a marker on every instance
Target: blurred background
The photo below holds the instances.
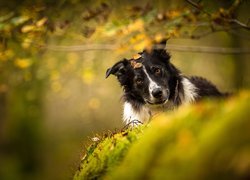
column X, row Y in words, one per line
column 54, row 54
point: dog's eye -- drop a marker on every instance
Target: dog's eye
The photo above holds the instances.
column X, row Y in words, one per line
column 157, row 71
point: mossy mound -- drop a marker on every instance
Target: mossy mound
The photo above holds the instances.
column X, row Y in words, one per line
column 208, row 140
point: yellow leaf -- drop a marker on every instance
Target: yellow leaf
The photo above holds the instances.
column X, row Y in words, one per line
column 158, row 38
column 23, row 63
column 173, row 33
column 138, row 25
column 27, row 28
column 145, row 44
column 26, row 43
column 173, row 14
column 136, row 56
column 41, row 22
column 139, row 37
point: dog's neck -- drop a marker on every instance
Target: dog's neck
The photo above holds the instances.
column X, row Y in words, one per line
column 143, row 112
column 189, row 91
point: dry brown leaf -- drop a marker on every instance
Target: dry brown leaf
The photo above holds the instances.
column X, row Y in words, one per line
column 135, row 64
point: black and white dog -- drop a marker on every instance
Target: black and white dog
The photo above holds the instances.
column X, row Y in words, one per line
column 151, row 82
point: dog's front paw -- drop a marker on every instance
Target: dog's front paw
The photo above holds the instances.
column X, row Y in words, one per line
column 133, row 123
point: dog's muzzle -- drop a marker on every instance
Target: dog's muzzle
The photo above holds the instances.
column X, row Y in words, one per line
column 158, row 96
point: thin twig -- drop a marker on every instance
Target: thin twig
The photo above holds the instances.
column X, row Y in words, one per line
column 90, row 47
column 234, row 5
column 198, row 6
column 204, row 49
column 206, row 33
column 236, row 21
column 171, row 47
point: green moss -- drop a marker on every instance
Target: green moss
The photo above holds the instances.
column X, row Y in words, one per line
column 101, row 157
column 209, row 140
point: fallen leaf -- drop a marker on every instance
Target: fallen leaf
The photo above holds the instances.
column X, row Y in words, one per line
column 136, row 56
column 135, row 64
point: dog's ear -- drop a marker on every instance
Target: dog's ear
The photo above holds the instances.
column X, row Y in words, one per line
column 160, row 46
column 163, row 42
column 118, row 68
column 160, row 49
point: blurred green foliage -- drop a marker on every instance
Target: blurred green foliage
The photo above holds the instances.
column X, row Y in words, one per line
column 53, row 57
column 210, row 140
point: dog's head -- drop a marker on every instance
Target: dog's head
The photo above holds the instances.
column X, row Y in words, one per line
column 149, row 78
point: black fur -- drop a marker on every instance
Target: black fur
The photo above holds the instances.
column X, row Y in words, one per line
column 205, row 88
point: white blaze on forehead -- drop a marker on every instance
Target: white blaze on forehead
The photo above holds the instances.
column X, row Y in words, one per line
column 152, row 84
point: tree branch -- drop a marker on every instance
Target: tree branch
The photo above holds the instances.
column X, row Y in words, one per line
column 226, row 19
column 197, row 6
column 171, row 47
column 236, row 21
column 207, row 49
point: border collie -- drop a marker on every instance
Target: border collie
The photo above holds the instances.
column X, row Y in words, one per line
column 152, row 83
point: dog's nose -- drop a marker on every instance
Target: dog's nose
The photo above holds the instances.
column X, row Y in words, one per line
column 157, row 93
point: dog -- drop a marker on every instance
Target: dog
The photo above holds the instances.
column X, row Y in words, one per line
column 151, row 83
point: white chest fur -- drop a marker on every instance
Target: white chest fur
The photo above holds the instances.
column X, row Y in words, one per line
column 130, row 114
column 189, row 91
